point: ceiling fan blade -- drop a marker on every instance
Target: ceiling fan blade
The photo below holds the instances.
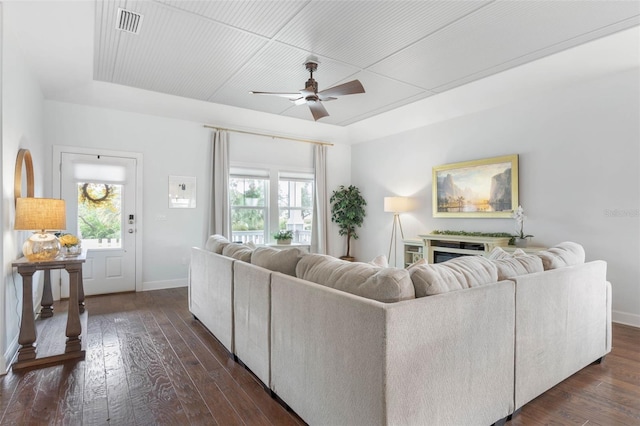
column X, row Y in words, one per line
column 349, row 88
column 317, row 110
column 299, row 101
column 326, row 98
column 282, row 95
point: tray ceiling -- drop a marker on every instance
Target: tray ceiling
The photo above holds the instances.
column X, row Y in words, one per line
column 401, row 51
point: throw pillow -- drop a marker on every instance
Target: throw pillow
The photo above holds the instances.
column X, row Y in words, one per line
column 380, row 261
column 284, row 261
column 498, row 253
column 455, row 274
column 416, row 264
column 563, row 254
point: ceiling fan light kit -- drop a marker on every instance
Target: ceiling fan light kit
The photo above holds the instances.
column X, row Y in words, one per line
column 310, row 95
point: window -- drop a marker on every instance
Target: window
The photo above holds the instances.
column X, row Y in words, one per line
column 248, row 197
column 257, row 213
column 295, row 205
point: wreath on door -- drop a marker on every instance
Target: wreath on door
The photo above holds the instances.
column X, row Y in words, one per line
column 96, row 193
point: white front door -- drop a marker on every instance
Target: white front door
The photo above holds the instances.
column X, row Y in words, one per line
column 100, row 196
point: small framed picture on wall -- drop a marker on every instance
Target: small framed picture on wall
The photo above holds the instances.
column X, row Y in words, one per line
column 182, row 192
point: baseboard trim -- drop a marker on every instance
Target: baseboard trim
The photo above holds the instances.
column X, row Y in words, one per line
column 161, row 285
column 11, row 352
column 625, row 318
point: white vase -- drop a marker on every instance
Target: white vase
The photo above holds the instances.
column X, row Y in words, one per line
column 521, row 242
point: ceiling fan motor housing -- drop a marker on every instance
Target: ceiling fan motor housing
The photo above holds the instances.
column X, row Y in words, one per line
column 311, row 86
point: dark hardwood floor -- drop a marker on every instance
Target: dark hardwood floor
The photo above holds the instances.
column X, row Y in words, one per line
column 149, row 362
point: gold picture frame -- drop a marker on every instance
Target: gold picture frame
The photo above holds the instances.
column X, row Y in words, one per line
column 485, row 188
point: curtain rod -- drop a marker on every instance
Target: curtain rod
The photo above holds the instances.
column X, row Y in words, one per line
column 269, row 136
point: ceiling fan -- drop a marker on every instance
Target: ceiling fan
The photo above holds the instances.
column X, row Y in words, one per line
column 310, row 95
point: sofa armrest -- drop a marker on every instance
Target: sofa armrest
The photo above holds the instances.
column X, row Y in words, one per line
column 343, row 359
column 563, row 324
column 211, row 293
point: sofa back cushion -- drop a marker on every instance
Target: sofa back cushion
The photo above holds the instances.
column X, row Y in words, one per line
column 455, row 274
column 363, row 279
column 216, row 243
column 518, row 265
column 238, row 251
column 563, row 254
column 283, row 261
column 514, row 264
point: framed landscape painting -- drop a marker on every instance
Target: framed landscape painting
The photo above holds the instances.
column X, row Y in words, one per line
column 479, row 188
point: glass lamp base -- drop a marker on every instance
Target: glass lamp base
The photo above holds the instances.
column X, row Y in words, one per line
column 41, row 247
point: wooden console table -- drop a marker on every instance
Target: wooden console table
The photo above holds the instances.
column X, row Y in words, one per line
column 27, row 337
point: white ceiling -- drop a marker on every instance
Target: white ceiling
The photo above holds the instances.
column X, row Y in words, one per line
column 217, row 51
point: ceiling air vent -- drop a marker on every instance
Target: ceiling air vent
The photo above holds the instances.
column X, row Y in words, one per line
column 128, row 21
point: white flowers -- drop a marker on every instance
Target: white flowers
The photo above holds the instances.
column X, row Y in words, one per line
column 519, row 216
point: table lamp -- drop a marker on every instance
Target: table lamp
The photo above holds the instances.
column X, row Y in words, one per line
column 396, row 205
column 40, row 215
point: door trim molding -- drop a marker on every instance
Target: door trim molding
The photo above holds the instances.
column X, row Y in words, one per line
column 56, row 181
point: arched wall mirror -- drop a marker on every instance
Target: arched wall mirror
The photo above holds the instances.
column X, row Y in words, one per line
column 24, row 157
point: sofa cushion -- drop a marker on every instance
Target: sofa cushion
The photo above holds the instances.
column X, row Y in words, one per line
column 363, row 279
column 216, row 243
column 514, row 264
column 455, row 274
column 238, row 251
column 517, row 265
column 284, row 261
column 563, row 254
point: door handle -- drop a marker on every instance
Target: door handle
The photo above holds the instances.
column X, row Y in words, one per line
column 130, row 231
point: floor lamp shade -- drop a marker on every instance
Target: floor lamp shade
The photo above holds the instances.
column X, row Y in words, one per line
column 397, row 204
column 40, row 215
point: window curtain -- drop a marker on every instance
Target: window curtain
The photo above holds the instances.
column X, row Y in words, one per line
column 320, row 226
column 219, row 220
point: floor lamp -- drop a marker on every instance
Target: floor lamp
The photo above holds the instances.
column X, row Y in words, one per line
column 395, row 205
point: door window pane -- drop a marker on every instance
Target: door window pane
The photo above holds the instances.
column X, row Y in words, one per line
column 100, row 215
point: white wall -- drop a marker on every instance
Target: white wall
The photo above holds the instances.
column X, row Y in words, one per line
column 169, row 147
column 579, row 174
column 22, row 115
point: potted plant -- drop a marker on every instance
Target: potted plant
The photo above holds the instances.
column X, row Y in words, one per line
column 520, row 238
column 347, row 210
column 283, row 236
column 252, row 195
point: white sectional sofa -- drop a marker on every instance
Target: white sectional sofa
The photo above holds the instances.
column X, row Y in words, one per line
column 484, row 338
